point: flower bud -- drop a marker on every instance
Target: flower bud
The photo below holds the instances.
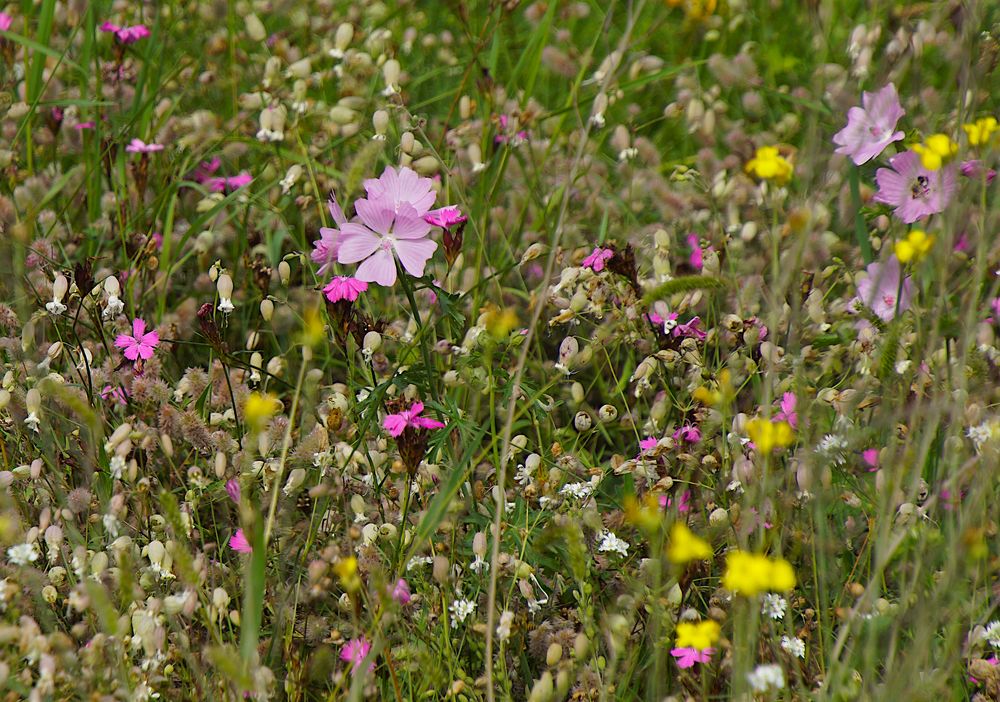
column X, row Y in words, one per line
column 607, row 413
column 380, row 121
column 255, row 28
column 582, row 421
column 266, row 309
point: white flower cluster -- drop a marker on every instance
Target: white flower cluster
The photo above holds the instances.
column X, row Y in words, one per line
column 460, row 610
column 766, row 677
column 609, row 543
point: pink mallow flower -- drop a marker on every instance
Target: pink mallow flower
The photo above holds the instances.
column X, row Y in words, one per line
column 354, row 652
column 238, row 542
column 138, row 146
column 126, row 35
column 597, row 259
column 383, row 231
column 395, row 189
column 326, row 248
column 344, row 288
column 395, row 424
column 445, row 217
column 140, row 344
column 913, row 190
column 401, row 592
column 872, row 127
column 687, row 657
column 880, row 289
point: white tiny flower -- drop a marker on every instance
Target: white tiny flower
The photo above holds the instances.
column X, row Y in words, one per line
column 766, row 677
column 503, row 628
column 226, row 305
column 23, row 554
column 460, row 611
column 418, row 561
column 992, row 634
column 32, row 421
column 794, row 646
column 609, row 543
column 55, row 308
column 110, row 522
column 774, row 606
column 480, row 565
column 113, row 308
column 116, row 466
column 628, row 154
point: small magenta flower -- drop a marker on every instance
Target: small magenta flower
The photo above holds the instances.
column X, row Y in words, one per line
column 126, row 35
column 872, row 127
column 401, row 592
column 445, row 217
column 687, row 656
column 116, row 393
column 84, row 125
column 395, row 424
column 688, row 433
column 238, row 542
column 870, row 457
column 223, row 184
column 234, row 492
column 975, row 169
column 913, row 190
column 354, row 652
column 788, row 413
column 138, row 146
column 344, row 288
column 882, row 292
column 648, row 444
column 598, row 258
column 140, row 344
column 695, row 259
column 5, row 22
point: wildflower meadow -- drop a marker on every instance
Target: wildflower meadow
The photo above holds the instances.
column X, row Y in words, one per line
column 488, row 350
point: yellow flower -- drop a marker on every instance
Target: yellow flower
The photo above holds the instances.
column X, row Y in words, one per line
column 685, row 546
column 750, row 574
column 709, row 396
column 768, row 164
column 259, row 408
column 313, row 331
column 499, row 322
column 936, row 150
column 346, row 570
column 699, row 635
column 695, row 9
column 981, row 131
column 914, row 247
column 767, row 435
column 646, row 514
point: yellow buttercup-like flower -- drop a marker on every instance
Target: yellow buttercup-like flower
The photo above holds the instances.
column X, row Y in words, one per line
column 750, row 574
column 981, row 131
column 259, row 408
column 914, row 247
column 767, row 435
column 695, row 9
column 936, row 150
column 685, row 546
column 698, row 635
column 769, row 164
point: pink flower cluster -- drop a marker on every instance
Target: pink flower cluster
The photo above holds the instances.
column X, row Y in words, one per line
column 205, row 171
column 126, row 35
column 392, row 223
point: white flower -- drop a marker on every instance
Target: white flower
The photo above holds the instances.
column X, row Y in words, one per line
column 116, row 466
column 766, row 677
column 32, row 421
column 23, row 554
column 992, row 634
column 113, row 308
column 794, row 646
column 110, row 525
column 226, row 305
column 774, row 606
column 418, row 561
column 503, row 628
column 56, row 307
column 834, row 447
column 460, row 610
column 480, row 565
column 609, row 543
column 580, row 491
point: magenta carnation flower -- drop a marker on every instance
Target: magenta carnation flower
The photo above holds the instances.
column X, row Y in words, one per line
column 687, row 657
column 344, row 288
column 597, row 259
column 138, row 146
column 238, row 542
column 872, row 127
column 396, row 424
column 354, row 652
column 5, row 21
column 126, row 35
column 445, row 217
column 140, row 344
column 913, row 190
